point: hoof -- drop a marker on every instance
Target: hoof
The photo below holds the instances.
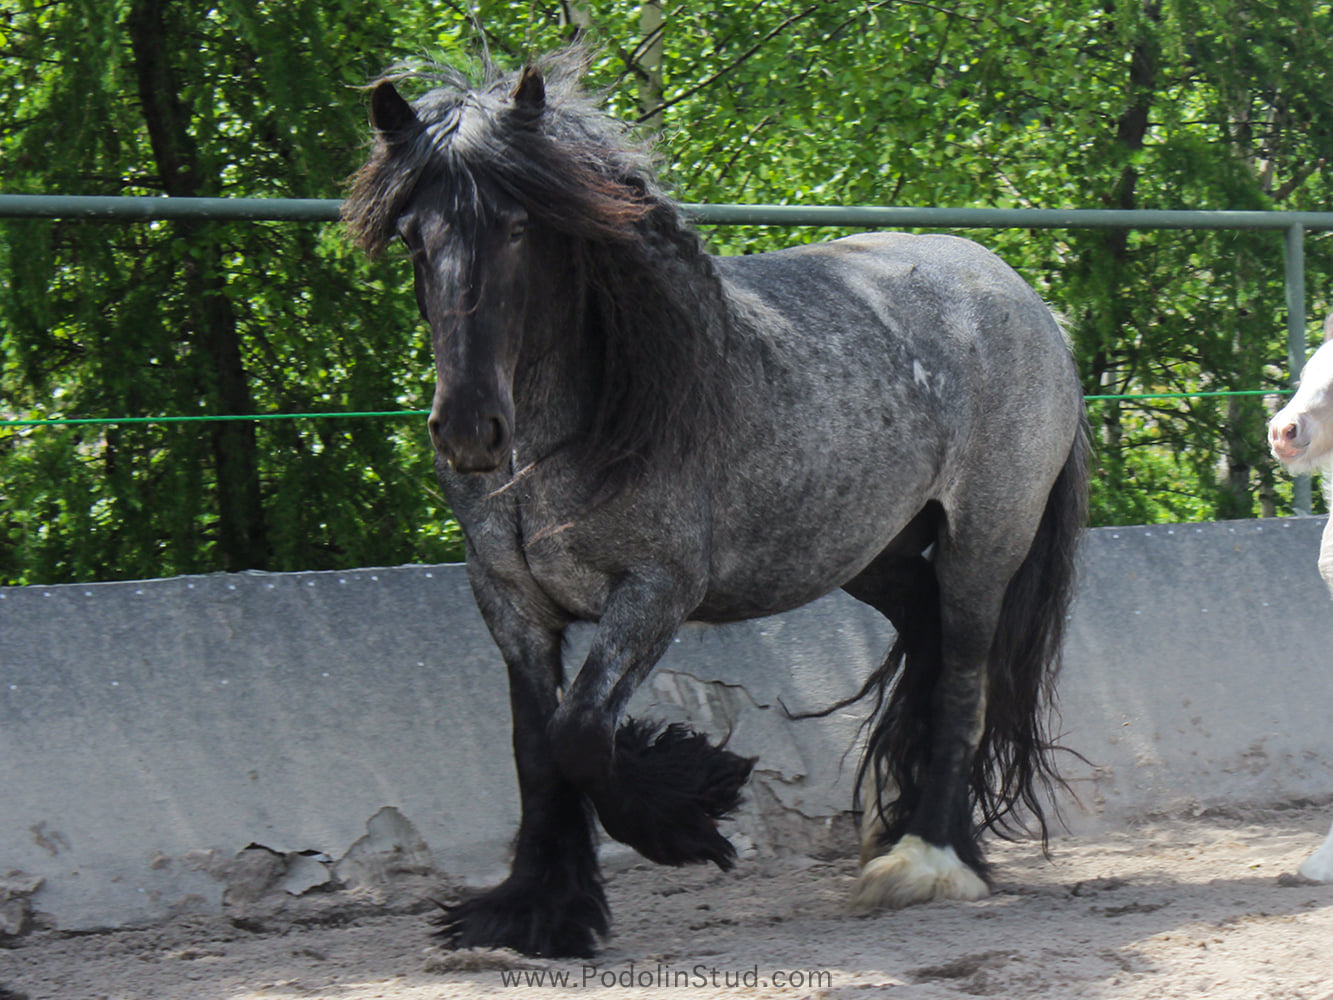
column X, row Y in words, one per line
column 915, row 872
column 528, row 918
column 1318, row 867
column 668, row 793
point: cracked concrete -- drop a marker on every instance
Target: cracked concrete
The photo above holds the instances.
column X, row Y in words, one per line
column 16, row 891
column 389, row 865
column 152, row 731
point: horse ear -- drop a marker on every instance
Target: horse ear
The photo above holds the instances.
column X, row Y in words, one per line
column 389, row 111
column 1328, row 328
column 531, row 90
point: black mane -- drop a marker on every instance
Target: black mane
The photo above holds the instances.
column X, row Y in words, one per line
column 569, row 164
column 654, row 306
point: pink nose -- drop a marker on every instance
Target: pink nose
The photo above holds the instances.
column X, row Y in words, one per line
column 1282, row 438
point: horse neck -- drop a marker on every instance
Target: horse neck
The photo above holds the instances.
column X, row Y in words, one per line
column 625, row 363
column 552, row 380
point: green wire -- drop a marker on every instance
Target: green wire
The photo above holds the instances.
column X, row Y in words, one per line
column 71, row 421
column 54, row 421
column 1189, row 395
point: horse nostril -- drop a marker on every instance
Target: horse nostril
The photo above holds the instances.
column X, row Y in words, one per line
column 496, row 436
column 470, row 442
column 1289, row 432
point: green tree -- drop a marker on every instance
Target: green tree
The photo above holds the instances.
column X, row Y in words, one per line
column 1145, row 104
column 201, row 318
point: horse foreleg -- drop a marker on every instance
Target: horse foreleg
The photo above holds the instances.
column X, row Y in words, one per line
column 552, row 903
column 660, row 791
column 669, row 788
column 1326, row 542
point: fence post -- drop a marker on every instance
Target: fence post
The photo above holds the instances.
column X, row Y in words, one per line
column 1294, row 254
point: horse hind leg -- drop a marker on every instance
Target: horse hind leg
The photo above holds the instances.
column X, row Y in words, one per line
column 963, row 730
column 923, row 845
column 926, row 847
column 900, row 867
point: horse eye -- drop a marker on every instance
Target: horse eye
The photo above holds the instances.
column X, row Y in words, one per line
column 517, row 230
column 407, row 232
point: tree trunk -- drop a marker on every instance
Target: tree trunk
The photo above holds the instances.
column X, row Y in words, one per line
column 650, row 82
column 211, row 326
column 1113, row 255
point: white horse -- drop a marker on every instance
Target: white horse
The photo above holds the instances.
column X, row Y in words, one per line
column 1301, row 435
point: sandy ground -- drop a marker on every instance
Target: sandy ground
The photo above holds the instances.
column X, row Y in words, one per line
column 1184, row 908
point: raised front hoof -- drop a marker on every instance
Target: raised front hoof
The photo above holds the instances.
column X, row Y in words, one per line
column 527, row 917
column 915, row 872
column 668, row 792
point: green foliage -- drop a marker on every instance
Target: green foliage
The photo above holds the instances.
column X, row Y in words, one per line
column 1150, row 104
column 116, row 320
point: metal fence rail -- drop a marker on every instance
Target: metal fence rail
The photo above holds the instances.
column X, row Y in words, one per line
column 1293, row 225
column 127, row 209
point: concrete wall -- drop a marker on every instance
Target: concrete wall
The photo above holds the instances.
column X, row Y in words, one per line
column 151, row 731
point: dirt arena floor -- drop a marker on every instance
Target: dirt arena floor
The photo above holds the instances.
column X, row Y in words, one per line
column 1208, row 907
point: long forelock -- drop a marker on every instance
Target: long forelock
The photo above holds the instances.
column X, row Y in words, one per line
column 571, row 166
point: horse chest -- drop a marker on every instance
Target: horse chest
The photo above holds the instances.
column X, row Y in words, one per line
column 577, row 588
column 533, row 568
column 578, row 559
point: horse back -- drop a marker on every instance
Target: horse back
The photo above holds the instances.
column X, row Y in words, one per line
column 929, row 293
column 930, row 335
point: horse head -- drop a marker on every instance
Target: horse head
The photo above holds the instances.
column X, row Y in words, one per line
column 557, row 279
column 481, row 275
column 1301, row 434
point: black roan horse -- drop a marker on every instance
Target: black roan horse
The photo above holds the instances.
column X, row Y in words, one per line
column 635, row 433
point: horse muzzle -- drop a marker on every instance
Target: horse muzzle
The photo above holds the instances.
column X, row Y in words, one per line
column 1288, row 437
column 473, row 439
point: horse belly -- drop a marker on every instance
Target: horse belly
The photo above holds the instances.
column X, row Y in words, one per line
column 810, row 499
column 886, row 370
column 788, row 556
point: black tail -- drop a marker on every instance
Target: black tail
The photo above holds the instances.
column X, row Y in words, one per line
column 1014, row 765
